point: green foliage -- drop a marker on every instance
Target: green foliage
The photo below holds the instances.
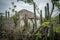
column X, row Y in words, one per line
column 58, row 28
column 39, row 34
column 54, row 19
column 15, row 18
column 46, row 24
column 56, row 3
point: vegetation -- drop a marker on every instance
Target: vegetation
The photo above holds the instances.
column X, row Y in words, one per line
column 49, row 28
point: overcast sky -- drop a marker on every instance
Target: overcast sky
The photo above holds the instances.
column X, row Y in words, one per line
column 6, row 4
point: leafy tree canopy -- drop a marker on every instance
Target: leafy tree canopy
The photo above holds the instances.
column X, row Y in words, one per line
column 57, row 3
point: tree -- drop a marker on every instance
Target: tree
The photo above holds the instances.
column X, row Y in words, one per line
column 56, row 3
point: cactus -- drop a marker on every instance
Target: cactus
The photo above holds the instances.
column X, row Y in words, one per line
column 59, row 18
column 51, row 32
column 0, row 17
column 35, row 15
column 41, row 17
column 33, row 27
column 6, row 14
column 0, row 20
column 48, row 15
column 15, row 18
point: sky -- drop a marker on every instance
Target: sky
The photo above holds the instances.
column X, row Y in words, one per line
column 6, row 4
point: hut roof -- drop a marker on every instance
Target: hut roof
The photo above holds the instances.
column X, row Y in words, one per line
column 28, row 13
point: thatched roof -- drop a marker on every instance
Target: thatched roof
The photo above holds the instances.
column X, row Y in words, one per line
column 28, row 13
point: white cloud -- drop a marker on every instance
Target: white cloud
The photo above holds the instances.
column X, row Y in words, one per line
column 21, row 5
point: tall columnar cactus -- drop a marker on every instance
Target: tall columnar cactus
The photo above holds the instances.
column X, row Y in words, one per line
column 48, row 15
column 6, row 14
column 0, row 25
column 41, row 17
column 51, row 32
column 59, row 18
column 0, row 19
column 35, row 15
